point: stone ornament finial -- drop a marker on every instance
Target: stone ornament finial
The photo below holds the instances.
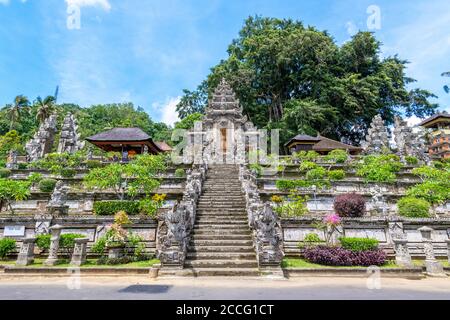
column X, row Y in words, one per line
column 377, row 138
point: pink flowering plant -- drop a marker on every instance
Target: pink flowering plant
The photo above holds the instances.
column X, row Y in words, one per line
column 329, row 225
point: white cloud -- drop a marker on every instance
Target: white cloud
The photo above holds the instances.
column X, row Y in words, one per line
column 4, row 2
column 351, row 28
column 168, row 110
column 89, row 3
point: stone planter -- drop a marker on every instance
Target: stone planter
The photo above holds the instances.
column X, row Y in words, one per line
column 115, row 252
column 58, row 211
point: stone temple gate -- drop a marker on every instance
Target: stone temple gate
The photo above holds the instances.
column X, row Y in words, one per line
column 225, row 135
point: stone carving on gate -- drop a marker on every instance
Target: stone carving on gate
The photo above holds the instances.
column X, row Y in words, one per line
column 175, row 227
column 266, row 226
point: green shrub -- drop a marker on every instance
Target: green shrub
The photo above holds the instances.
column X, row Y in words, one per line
column 379, row 168
column 100, row 245
column 23, row 166
column 287, row 185
column 43, row 241
column 307, row 166
column 68, row 172
column 413, row 207
column 180, row 173
column 109, row 208
column 35, row 177
column 4, row 173
column 66, row 241
column 335, row 175
column 47, row 185
column 411, row 160
column 359, row 244
column 312, row 238
column 92, row 164
column 293, row 206
column 318, row 173
column 7, row 245
column 338, row 156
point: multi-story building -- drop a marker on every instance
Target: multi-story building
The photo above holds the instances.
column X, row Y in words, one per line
column 440, row 136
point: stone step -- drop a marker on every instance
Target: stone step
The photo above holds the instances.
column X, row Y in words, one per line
column 220, row 226
column 205, row 206
column 221, row 237
column 225, row 225
column 221, row 232
column 221, row 256
column 210, row 272
column 230, row 249
column 211, row 220
column 221, row 263
column 221, row 242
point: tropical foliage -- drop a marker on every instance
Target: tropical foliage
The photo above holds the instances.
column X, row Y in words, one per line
column 296, row 78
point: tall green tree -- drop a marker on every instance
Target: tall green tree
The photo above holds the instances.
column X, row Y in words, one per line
column 45, row 107
column 15, row 110
column 298, row 79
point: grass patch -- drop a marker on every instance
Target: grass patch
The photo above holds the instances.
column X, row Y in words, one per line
column 90, row 263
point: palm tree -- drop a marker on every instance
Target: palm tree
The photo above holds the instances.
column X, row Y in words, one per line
column 20, row 102
column 45, row 108
column 446, row 87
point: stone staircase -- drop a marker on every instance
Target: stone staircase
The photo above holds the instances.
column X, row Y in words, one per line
column 221, row 243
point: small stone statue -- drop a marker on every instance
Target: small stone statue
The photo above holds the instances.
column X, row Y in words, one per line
column 12, row 160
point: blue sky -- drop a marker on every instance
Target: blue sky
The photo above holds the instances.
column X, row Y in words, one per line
column 147, row 51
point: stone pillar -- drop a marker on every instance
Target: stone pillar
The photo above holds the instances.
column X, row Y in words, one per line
column 54, row 245
column 433, row 266
column 402, row 256
column 79, row 252
column 448, row 250
column 26, row 254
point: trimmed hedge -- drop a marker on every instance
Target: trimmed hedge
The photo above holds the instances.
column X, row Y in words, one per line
column 359, row 244
column 7, row 245
column 66, row 241
column 338, row 256
column 68, row 173
column 47, row 185
column 110, row 208
column 413, row 207
column 350, row 205
column 92, row 164
column 4, row 173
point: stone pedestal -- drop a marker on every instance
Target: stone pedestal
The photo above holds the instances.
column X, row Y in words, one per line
column 434, row 267
column 54, row 245
column 79, row 252
column 26, row 254
column 402, row 256
column 115, row 253
column 58, row 210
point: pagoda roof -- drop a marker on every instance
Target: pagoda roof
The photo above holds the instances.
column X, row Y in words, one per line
column 121, row 134
column 435, row 119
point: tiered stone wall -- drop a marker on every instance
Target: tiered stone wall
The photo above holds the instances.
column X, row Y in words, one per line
column 295, row 230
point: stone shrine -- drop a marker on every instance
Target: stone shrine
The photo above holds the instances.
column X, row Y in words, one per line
column 42, row 142
column 70, row 138
column 377, row 138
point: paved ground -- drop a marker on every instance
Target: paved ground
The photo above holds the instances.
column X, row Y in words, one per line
column 136, row 288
